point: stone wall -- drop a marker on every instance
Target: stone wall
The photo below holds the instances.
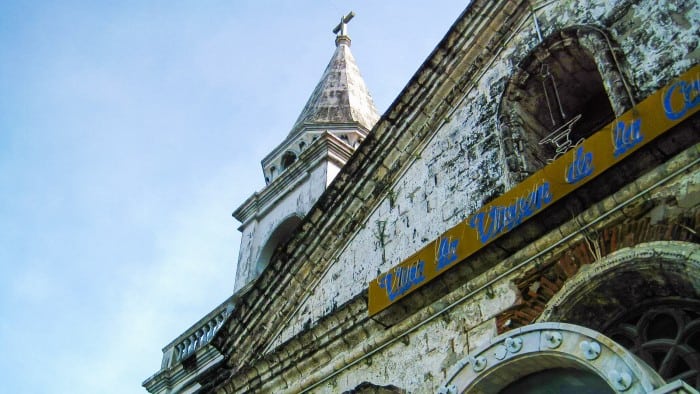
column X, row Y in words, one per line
column 427, row 350
column 347, row 350
column 465, row 162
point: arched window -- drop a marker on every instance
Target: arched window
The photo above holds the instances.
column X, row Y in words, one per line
column 551, row 358
column 288, row 159
column 646, row 299
column 559, row 380
column 279, row 236
column 566, row 89
column 664, row 333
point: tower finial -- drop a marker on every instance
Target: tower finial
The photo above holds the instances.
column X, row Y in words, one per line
column 342, row 29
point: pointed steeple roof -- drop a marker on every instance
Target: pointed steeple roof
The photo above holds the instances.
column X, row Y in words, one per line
column 341, row 95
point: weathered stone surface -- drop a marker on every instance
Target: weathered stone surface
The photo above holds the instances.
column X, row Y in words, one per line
column 340, row 96
column 448, row 145
column 481, row 334
column 463, row 164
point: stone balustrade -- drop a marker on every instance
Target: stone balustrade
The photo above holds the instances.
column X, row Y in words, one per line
column 197, row 336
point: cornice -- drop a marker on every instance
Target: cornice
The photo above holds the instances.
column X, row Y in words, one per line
column 312, row 129
column 326, row 148
column 178, row 376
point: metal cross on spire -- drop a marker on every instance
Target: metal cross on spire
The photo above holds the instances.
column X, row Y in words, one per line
column 342, row 27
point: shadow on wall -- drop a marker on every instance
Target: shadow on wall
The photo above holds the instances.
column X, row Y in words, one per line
column 280, row 236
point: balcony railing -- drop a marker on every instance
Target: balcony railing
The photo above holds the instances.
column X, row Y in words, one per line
column 197, row 336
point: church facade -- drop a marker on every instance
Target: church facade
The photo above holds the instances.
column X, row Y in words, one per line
column 524, row 217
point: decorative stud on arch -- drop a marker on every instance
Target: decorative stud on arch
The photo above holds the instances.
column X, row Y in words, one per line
column 540, row 347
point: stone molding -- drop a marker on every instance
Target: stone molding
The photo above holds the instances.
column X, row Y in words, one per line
column 542, row 346
column 327, row 147
column 660, row 257
column 309, row 133
column 543, row 283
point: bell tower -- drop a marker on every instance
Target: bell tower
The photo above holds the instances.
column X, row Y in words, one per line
column 335, row 119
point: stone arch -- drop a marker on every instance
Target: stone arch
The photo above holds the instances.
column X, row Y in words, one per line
column 564, row 89
column 513, row 356
column 660, row 268
column 288, row 158
column 539, row 284
column 282, row 233
column 647, row 299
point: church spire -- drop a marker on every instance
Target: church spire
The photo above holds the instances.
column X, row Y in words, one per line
column 336, row 118
column 341, row 96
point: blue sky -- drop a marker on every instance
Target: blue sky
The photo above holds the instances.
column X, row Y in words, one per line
column 129, row 132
